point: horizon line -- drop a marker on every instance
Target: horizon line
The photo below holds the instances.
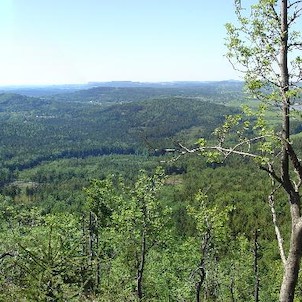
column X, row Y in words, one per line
column 25, row 85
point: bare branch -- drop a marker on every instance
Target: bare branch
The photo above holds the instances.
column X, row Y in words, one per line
column 272, row 173
column 296, row 45
column 234, row 67
column 187, row 150
column 294, row 3
column 296, row 162
column 248, row 141
column 6, row 255
column 224, row 151
column 275, row 15
column 295, row 16
column 271, row 202
column 230, row 151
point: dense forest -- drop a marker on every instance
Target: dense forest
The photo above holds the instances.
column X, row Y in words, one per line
column 155, row 192
column 65, row 127
column 100, row 203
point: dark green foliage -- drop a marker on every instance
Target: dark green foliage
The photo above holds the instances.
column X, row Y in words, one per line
column 35, row 130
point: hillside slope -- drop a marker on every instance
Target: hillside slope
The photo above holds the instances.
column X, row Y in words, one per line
column 32, row 130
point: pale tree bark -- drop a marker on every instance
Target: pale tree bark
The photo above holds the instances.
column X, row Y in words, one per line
column 292, row 264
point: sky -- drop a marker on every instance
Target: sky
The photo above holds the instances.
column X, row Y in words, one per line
column 78, row 41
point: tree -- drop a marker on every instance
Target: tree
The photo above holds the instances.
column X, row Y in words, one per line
column 211, row 233
column 140, row 219
column 265, row 46
column 40, row 255
column 128, row 224
column 99, row 195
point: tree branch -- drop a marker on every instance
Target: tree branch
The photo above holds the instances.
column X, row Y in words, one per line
column 6, row 255
column 270, row 170
column 295, row 161
column 294, row 3
column 295, row 16
column 226, row 151
column 297, row 45
column 271, row 202
column 276, row 17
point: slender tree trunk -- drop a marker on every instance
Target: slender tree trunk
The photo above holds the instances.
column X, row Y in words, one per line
column 285, row 13
column 98, row 265
column 202, row 275
column 141, row 267
column 94, row 266
column 256, row 267
column 201, row 269
column 232, row 286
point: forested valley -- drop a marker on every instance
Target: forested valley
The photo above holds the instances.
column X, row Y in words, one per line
column 100, row 202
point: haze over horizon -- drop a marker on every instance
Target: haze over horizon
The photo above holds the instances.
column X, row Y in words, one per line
column 75, row 42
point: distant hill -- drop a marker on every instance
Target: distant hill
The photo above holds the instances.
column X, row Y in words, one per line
column 15, row 102
column 174, row 84
column 220, row 92
column 39, row 91
column 33, row 130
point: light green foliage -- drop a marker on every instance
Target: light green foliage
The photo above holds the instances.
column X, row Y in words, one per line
column 45, row 258
column 211, row 236
column 173, row 255
column 249, row 45
column 171, row 262
column 50, row 258
column 249, row 134
column 99, row 198
column 134, row 214
column 141, row 208
column 230, row 122
column 271, row 68
column 138, row 209
column 254, row 49
column 265, row 48
column 235, row 272
column 209, row 218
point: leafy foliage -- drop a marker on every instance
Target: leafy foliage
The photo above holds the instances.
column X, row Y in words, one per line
column 135, row 233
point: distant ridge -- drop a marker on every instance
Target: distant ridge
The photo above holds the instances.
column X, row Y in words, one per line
column 177, row 84
column 47, row 90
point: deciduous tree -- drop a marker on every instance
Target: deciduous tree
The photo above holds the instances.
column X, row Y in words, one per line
column 265, row 46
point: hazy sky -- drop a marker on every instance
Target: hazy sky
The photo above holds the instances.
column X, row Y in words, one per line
column 76, row 41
